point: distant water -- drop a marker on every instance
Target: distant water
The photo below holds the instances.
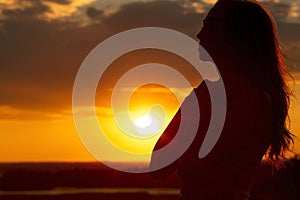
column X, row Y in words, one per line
column 68, row 191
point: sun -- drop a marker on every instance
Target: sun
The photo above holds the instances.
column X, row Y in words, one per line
column 147, row 125
column 143, row 122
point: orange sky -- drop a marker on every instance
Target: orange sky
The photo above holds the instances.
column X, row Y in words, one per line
column 43, row 44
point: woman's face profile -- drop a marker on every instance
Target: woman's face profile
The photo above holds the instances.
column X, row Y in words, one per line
column 213, row 35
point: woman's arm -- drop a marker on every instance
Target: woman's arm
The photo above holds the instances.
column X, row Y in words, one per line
column 165, row 139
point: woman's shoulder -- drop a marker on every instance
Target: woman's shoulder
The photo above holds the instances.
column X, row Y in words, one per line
column 242, row 89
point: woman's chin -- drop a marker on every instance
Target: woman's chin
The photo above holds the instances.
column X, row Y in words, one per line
column 203, row 54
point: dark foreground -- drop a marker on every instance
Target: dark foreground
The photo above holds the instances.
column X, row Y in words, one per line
column 89, row 181
column 120, row 196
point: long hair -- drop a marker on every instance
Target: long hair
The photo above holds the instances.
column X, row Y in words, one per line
column 253, row 31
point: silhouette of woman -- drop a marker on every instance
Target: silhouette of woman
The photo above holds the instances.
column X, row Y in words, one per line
column 241, row 37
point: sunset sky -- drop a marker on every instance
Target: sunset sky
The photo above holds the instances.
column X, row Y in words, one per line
column 44, row 42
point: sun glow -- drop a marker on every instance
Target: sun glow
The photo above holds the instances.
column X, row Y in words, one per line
column 143, row 122
column 137, row 126
column 148, row 125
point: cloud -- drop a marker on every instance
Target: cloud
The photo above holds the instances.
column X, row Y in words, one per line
column 283, row 11
column 278, row 9
column 62, row 9
column 39, row 62
column 23, row 10
column 210, row 1
column 166, row 14
column 14, row 4
column 44, row 9
column 39, row 59
column 8, row 113
column 94, row 13
column 91, row 112
column 63, row 2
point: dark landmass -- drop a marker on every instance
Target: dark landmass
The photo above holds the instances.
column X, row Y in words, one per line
column 45, row 176
column 30, row 181
column 42, row 181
